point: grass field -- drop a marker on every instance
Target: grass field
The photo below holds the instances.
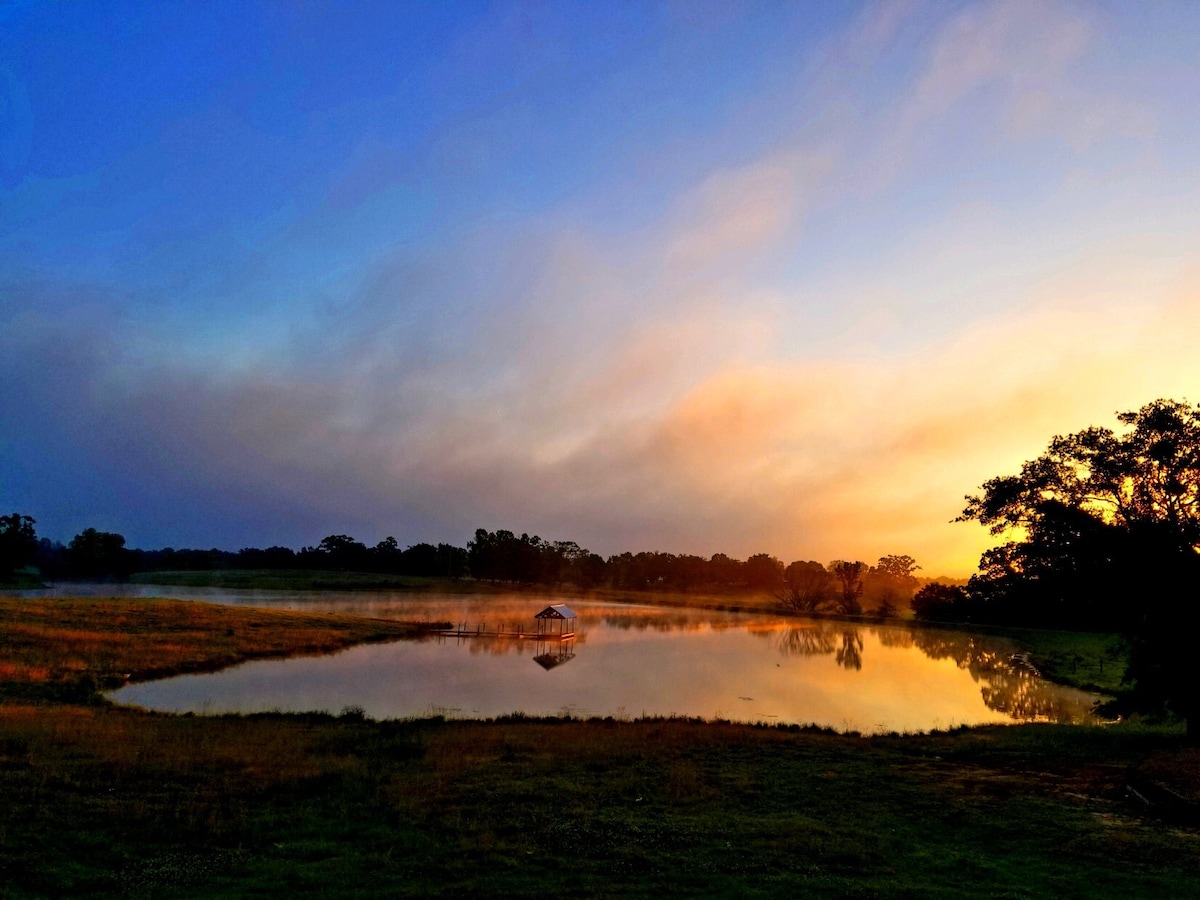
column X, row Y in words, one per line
column 100, row 800
column 109, row 801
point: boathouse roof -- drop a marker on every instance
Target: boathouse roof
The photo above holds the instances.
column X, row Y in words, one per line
column 557, row 611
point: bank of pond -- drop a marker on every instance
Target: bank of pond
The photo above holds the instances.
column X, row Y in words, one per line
column 627, row 661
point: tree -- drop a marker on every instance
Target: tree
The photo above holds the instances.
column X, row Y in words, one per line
column 889, row 582
column 899, row 568
column 592, row 570
column 849, row 577
column 808, row 588
column 340, row 551
column 271, row 558
column 1103, row 516
column 1107, row 530
column 502, row 556
column 385, row 556
column 723, row 570
column 940, row 603
column 1147, row 478
column 18, row 544
column 763, row 571
column 98, row 554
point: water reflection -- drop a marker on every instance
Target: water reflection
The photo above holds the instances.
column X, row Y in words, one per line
column 849, row 655
column 638, row 660
column 1007, row 684
column 805, row 640
column 551, row 654
column 548, row 652
column 821, row 639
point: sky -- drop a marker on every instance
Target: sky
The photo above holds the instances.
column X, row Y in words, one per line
column 693, row 277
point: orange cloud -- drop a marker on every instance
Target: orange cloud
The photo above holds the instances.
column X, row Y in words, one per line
column 823, row 459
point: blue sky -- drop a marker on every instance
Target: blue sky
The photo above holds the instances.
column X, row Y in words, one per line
column 732, row 277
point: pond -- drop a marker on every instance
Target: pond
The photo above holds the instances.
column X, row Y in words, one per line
column 628, row 661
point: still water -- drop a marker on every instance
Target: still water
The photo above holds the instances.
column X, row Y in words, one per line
column 629, row 661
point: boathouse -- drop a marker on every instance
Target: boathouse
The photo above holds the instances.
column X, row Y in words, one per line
column 559, row 614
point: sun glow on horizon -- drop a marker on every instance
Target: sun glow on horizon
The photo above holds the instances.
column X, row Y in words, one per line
column 784, row 279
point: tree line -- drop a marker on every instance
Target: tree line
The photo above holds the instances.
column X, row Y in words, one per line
column 498, row 557
column 103, row 555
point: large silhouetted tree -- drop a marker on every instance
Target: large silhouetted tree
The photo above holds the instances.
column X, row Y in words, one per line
column 340, row 551
column 98, row 554
column 1107, row 531
column 941, row 603
column 18, row 544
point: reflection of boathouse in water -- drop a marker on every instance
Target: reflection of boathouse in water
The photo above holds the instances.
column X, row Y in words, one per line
column 554, row 653
column 554, row 635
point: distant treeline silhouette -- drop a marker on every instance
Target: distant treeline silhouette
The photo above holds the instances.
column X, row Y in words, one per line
column 103, row 555
column 498, row 557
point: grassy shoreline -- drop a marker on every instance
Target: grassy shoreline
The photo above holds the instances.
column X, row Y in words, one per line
column 105, row 801
column 1089, row 661
column 81, row 644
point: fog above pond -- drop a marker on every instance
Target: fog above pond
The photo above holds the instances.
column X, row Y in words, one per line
column 629, row 661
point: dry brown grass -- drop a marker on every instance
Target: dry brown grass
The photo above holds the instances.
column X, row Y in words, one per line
column 115, row 640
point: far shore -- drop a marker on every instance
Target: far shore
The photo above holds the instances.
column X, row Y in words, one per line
column 1091, row 661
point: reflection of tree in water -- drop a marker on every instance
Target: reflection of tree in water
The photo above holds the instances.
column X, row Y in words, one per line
column 900, row 638
column 823, row 640
column 642, row 622
column 1007, row 686
column 849, row 655
column 806, row 641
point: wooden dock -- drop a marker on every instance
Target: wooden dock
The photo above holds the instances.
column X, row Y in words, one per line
column 519, row 633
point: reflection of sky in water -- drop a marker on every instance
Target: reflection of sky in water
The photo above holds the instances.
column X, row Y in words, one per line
column 630, row 661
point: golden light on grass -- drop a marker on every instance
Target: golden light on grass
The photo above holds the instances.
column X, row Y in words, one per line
column 114, row 640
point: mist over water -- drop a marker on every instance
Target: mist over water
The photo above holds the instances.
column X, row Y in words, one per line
column 629, row 661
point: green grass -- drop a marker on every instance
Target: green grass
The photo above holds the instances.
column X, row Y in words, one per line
column 110, row 801
column 1094, row 662
column 22, row 579
column 104, row 801
column 1090, row 661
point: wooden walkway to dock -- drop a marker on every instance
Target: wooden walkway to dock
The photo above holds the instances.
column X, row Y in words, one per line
column 520, row 633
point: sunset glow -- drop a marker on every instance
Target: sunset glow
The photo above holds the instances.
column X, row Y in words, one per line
column 698, row 278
